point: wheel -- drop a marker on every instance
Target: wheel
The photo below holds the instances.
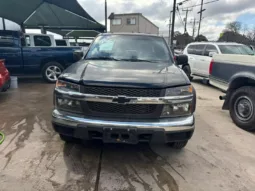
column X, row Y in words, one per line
column 6, row 88
column 51, row 71
column 178, row 144
column 242, row 108
column 67, row 138
column 187, row 71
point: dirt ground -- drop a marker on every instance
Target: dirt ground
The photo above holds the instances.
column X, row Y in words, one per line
column 219, row 157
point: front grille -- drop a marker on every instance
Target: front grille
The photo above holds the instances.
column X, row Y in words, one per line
column 132, row 92
column 112, row 108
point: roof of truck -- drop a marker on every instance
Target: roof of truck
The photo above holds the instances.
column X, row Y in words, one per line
column 134, row 34
column 217, row 43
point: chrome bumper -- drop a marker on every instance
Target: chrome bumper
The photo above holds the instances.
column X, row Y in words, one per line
column 168, row 125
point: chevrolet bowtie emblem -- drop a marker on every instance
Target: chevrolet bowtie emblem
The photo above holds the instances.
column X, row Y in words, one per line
column 121, row 100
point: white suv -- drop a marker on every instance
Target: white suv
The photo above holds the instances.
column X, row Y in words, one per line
column 200, row 55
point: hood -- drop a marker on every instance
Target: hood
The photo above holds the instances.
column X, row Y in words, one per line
column 124, row 73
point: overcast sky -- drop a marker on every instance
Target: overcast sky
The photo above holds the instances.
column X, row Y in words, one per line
column 215, row 17
column 217, row 14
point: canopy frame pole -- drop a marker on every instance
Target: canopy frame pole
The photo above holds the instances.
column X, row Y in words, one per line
column 3, row 21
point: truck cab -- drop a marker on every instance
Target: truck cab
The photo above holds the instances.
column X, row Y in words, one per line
column 35, row 54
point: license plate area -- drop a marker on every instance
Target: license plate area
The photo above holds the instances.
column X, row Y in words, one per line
column 113, row 135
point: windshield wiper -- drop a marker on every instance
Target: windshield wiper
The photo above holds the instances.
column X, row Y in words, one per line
column 137, row 60
column 102, row 58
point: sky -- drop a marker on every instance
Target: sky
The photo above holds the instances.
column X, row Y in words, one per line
column 215, row 17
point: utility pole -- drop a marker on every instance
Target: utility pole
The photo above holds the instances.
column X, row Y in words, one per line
column 194, row 22
column 173, row 22
column 186, row 18
column 3, row 21
column 201, row 14
column 105, row 15
column 170, row 23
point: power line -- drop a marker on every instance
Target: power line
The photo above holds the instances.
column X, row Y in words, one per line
column 173, row 22
column 180, row 17
column 200, row 4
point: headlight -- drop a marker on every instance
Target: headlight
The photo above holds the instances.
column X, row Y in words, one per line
column 67, row 86
column 178, row 109
column 179, row 91
column 66, row 104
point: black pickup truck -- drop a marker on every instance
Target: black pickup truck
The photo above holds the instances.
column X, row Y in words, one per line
column 235, row 75
column 128, row 89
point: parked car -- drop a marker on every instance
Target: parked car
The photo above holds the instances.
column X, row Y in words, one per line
column 35, row 54
column 235, row 75
column 127, row 89
column 4, row 77
column 200, row 56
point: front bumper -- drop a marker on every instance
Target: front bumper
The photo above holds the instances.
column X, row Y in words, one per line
column 163, row 130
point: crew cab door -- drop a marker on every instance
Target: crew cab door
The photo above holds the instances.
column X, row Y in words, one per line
column 206, row 59
column 34, row 52
column 10, row 50
column 199, row 59
column 190, row 51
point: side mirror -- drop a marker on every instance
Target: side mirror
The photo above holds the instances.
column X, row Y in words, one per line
column 212, row 53
column 78, row 54
column 181, row 59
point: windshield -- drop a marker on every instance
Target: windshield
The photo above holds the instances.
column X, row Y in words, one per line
column 235, row 49
column 129, row 47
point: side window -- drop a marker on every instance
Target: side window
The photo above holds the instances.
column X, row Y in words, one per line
column 131, row 21
column 191, row 49
column 42, row 41
column 61, row 43
column 116, row 22
column 28, row 40
column 199, row 49
column 7, row 41
column 210, row 48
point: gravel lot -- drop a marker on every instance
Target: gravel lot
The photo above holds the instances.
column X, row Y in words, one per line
column 220, row 156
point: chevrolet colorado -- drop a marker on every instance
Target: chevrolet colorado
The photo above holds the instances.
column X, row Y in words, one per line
column 126, row 89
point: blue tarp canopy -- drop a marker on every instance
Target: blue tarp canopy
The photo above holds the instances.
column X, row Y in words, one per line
column 50, row 14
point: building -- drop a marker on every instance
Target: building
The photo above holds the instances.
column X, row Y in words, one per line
column 133, row 22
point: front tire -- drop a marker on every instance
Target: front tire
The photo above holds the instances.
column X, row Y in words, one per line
column 51, row 71
column 178, row 145
column 187, row 71
column 242, row 108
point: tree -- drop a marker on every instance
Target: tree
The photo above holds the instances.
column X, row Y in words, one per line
column 177, row 33
column 201, row 38
column 244, row 29
column 234, row 26
column 251, row 34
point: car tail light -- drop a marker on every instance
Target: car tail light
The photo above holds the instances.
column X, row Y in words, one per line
column 175, row 58
column 211, row 67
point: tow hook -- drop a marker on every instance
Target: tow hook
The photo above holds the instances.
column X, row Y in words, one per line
column 222, row 97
